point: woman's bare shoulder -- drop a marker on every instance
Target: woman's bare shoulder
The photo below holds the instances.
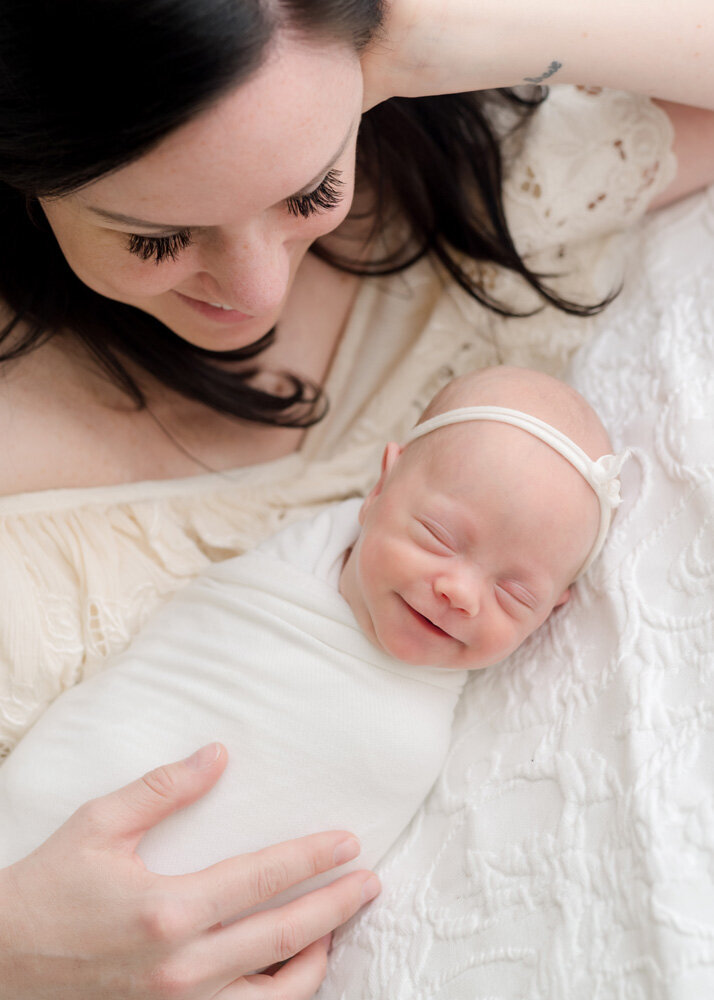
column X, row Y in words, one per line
column 28, row 428
column 41, row 421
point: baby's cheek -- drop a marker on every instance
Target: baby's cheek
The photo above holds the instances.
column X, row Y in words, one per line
column 371, row 564
column 509, row 637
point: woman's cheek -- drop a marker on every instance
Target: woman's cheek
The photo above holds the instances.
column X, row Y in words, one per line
column 140, row 278
column 97, row 257
column 111, row 270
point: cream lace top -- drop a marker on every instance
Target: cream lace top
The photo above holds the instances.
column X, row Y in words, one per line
column 82, row 569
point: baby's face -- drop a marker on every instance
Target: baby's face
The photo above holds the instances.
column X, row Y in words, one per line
column 467, row 545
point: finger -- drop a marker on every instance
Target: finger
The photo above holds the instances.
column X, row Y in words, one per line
column 125, row 815
column 279, row 934
column 298, row 979
column 229, row 888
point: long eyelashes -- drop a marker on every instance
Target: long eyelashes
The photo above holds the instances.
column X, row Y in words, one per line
column 158, row 248
column 326, row 196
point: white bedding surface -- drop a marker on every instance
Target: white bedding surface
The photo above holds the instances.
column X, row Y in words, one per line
column 567, row 850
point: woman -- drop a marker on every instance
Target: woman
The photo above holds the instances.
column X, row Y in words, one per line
column 166, row 166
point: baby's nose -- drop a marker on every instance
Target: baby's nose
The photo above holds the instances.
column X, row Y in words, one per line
column 461, row 590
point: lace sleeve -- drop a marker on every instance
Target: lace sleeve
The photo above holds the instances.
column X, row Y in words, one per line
column 592, row 161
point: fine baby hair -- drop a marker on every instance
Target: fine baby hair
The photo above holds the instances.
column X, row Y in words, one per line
column 601, row 474
column 549, row 410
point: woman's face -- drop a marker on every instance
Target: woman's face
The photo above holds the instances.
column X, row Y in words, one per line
column 206, row 231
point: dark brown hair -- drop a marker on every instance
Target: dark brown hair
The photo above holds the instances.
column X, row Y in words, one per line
column 89, row 85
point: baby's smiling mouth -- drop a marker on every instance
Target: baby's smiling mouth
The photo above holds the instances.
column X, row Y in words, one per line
column 426, row 622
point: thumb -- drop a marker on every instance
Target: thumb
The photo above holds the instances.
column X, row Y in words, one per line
column 124, row 816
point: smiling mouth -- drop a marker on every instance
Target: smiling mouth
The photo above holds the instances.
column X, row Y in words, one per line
column 216, row 310
column 425, row 622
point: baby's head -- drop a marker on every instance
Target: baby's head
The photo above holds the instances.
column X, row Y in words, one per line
column 476, row 530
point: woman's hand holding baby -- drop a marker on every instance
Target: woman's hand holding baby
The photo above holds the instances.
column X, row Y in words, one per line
column 83, row 918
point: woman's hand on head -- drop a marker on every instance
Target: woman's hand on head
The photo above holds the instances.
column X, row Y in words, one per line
column 82, row 918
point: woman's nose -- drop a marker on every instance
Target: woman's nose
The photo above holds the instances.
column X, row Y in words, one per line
column 461, row 589
column 250, row 271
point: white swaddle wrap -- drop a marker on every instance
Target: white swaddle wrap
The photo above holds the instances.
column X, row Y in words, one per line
column 323, row 730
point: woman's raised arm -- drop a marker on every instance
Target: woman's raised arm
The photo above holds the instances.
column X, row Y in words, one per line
column 663, row 49
column 82, row 918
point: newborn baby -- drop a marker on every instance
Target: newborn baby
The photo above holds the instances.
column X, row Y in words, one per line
column 329, row 659
column 474, row 533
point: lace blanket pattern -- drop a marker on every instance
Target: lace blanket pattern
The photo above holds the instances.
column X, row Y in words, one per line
column 567, row 850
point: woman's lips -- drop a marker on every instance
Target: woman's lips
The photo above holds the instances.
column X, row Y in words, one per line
column 215, row 313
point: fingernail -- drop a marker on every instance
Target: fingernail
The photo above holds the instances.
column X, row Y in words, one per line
column 370, row 889
column 347, row 850
column 204, row 757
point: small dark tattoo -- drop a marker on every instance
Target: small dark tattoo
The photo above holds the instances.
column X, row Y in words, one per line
column 552, row 69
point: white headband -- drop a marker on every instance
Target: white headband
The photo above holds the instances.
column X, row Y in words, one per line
column 601, row 475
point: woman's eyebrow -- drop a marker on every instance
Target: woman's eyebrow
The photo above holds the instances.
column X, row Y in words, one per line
column 129, row 220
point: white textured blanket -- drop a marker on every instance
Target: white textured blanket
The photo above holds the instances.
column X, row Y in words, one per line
column 323, row 730
column 567, row 850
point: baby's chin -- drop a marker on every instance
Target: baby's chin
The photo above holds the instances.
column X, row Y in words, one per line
column 422, row 658
column 473, row 661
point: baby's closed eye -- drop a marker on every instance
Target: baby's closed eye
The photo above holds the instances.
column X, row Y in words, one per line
column 514, row 598
column 434, row 538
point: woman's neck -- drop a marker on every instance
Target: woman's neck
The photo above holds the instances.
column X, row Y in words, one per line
column 66, row 424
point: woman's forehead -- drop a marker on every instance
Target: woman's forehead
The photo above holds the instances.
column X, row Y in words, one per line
column 269, row 138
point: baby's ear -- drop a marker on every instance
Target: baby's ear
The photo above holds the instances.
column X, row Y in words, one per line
column 563, row 599
column 389, row 458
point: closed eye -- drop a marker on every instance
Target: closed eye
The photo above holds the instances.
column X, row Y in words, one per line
column 327, row 195
column 433, row 538
column 513, row 598
column 159, row 248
